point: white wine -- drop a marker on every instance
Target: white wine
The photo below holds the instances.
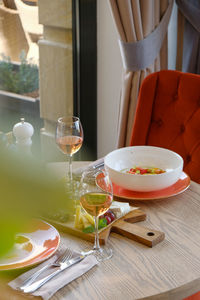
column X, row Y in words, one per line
column 96, row 204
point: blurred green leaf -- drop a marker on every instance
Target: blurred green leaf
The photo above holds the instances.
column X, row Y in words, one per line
column 26, row 191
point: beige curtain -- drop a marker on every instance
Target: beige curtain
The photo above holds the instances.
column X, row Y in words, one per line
column 135, row 20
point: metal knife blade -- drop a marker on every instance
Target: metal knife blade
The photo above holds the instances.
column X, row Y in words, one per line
column 98, row 164
column 37, row 284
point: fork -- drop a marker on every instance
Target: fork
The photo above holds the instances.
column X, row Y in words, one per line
column 61, row 259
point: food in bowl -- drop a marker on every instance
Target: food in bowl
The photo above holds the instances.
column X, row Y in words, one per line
column 144, row 170
column 156, row 157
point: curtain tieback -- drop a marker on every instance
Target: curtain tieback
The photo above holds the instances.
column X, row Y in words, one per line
column 141, row 54
column 191, row 12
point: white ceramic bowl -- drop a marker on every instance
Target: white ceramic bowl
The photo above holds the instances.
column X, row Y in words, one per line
column 143, row 156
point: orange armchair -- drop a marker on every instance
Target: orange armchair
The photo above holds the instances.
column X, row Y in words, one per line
column 168, row 116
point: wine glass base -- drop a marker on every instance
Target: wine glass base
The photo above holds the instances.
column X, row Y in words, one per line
column 101, row 254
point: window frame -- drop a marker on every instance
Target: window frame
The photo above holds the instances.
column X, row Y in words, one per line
column 84, row 32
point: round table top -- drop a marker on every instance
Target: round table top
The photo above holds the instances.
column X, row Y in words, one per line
column 169, row 270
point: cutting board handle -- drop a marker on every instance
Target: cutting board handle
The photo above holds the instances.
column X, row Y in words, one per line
column 144, row 235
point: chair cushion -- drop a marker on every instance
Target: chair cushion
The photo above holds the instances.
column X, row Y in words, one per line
column 168, row 115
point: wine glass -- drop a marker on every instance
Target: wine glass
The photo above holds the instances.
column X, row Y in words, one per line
column 96, row 202
column 69, row 138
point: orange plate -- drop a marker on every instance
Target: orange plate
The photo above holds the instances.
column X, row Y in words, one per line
column 180, row 186
column 39, row 241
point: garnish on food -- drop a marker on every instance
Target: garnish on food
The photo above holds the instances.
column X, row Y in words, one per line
column 85, row 222
column 145, row 171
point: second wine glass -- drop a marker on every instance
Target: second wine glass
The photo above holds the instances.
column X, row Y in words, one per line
column 69, row 138
column 96, row 202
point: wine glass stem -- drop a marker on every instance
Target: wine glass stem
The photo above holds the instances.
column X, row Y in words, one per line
column 69, row 170
column 96, row 241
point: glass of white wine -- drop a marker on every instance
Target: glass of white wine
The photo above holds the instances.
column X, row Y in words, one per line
column 96, row 202
column 69, row 138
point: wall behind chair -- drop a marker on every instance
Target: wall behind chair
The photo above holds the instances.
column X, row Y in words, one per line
column 109, row 70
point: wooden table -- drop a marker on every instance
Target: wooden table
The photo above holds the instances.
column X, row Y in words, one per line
column 170, row 270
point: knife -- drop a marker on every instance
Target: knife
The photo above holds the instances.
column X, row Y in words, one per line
column 98, row 164
column 37, row 284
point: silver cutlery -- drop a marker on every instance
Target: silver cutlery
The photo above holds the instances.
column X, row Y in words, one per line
column 98, row 165
column 61, row 259
column 37, row 284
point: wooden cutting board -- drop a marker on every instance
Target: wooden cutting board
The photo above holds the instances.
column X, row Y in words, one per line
column 124, row 226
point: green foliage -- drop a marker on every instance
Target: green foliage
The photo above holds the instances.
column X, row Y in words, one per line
column 90, row 229
column 102, row 223
column 21, row 80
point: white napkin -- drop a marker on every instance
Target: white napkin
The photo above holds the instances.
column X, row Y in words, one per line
column 60, row 280
column 78, row 172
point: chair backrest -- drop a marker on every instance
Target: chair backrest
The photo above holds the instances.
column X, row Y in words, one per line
column 168, row 116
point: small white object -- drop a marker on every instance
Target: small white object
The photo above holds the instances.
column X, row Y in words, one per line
column 143, row 156
column 120, row 208
column 23, row 132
